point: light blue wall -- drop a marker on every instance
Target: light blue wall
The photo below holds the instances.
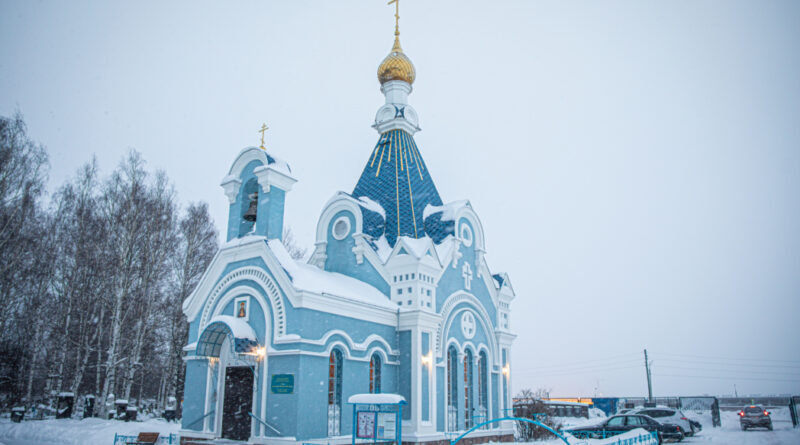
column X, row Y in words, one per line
column 452, row 281
column 269, row 221
column 404, row 383
column 270, row 213
column 194, row 399
column 495, row 396
column 341, row 259
column 441, row 403
column 283, row 409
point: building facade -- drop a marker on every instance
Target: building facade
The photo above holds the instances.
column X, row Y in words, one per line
column 396, row 297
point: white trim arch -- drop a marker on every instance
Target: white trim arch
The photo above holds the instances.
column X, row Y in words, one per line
column 246, row 156
column 259, row 276
column 449, row 311
column 339, row 202
column 345, row 350
column 468, row 213
column 375, row 349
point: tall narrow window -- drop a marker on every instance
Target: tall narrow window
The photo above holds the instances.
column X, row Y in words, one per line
column 468, row 389
column 452, row 386
column 335, row 393
column 483, row 388
column 375, row 374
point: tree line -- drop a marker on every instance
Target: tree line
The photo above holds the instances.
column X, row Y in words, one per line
column 93, row 276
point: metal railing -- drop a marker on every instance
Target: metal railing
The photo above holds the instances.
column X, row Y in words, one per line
column 266, row 424
column 189, row 425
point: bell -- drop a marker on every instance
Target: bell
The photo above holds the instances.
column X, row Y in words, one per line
column 250, row 214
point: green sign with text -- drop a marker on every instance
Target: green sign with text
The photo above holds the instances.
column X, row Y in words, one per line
column 282, row 383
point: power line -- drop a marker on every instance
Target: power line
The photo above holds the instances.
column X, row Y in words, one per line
column 733, row 358
column 753, row 365
column 727, row 378
column 727, row 370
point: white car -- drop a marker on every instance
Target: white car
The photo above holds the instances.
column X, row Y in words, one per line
column 666, row 414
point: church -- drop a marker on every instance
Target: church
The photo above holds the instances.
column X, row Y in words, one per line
column 396, row 298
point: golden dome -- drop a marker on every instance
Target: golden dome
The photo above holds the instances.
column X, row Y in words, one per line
column 396, row 66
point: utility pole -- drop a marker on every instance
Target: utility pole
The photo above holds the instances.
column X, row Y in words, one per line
column 649, row 383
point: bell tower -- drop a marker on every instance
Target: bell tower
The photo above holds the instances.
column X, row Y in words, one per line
column 256, row 187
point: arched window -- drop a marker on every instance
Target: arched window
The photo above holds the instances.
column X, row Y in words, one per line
column 375, row 374
column 335, row 393
column 468, row 389
column 452, row 387
column 483, row 388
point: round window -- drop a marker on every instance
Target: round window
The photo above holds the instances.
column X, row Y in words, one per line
column 341, row 228
column 466, row 234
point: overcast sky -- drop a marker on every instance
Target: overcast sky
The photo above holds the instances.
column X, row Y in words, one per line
column 636, row 165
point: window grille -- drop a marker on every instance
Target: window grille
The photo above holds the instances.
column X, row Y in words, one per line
column 375, row 374
column 452, row 385
column 483, row 389
column 468, row 389
column 335, row 393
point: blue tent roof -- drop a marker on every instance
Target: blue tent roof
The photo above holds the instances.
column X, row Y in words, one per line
column 396, row 178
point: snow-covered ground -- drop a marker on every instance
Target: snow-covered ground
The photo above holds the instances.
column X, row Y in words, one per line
column 101, row 432
column 729, row 434
column 92, row 431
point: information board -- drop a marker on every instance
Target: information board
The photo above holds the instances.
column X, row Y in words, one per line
column 282, row 383
column 387, row 425
column 366, row 425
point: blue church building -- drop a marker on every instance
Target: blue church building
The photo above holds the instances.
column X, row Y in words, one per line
column 397, row 297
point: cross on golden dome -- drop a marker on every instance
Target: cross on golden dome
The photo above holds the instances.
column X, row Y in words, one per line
column 396, row 66
column 396, row 16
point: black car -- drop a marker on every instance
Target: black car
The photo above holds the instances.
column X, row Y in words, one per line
column 754, row 416
column 626, row 422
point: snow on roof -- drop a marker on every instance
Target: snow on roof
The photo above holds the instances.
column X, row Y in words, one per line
column 239, row 327
column 247, row 239
column 375, row 399
column 18, row 408
column 312, row 279
column 448, row 210
column 372, row 205
column 66, row 394
column 382, row 248
column 444, row 248
column 418, row 246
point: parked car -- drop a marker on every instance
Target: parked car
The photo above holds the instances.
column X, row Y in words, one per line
column 625, row 422
column 697, row 426
column 669, row 415
column 754, row 416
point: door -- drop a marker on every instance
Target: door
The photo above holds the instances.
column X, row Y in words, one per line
column 615, row 425
column 238, row 402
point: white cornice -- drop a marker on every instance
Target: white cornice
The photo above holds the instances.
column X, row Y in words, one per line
column 231, row 184
column 255, row 247
column 269, row 176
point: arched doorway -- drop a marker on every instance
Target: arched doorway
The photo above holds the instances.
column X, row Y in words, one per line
column 231, row 386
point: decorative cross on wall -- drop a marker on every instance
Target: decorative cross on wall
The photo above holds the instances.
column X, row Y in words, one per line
column 468, row 325
column 466, row 272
